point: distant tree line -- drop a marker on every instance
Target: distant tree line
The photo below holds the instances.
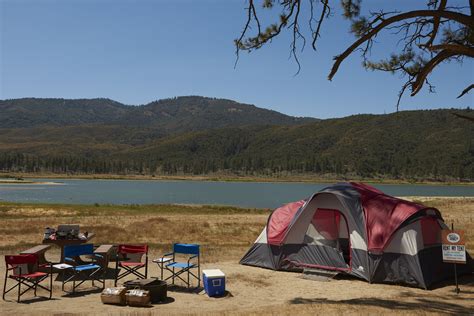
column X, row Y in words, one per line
column 256, row 165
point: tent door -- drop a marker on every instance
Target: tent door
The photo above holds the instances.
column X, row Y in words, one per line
column 328, row 232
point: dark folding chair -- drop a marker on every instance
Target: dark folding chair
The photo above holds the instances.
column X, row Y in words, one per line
column 24, row 270
column 129, row 257
column 83, row 271
column 177, row 268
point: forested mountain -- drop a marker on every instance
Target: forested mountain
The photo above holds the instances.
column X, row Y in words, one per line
column 173, row 115
column 194, row 135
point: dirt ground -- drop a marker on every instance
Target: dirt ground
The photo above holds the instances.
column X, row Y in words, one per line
column 225, row 236
column 254, row 291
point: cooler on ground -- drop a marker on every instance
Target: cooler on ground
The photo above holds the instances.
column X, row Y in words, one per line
column 214, row 282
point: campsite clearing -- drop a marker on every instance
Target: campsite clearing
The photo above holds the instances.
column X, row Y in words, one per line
column 225, row 235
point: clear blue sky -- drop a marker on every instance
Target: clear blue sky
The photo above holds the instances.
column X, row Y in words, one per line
column 138, row 51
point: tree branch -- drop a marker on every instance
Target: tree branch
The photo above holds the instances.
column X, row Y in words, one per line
column 470, row 118
column 424, row 72
column 320, row 22
column 455, row 16
column 465, row 91
column 455, row 48
column 436, row 21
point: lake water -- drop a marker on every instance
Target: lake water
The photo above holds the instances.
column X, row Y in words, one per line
column 244, row 194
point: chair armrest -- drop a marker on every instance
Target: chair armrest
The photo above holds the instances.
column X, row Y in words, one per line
column 166, row 255
column 192, row 257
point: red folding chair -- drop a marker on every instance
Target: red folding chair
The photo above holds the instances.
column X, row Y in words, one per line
column 129, row 257
column 24, row 270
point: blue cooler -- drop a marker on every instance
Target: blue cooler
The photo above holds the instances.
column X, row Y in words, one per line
column 214, row 282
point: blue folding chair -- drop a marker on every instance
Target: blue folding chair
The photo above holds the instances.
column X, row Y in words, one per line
column 82, row 271
column 178, row 268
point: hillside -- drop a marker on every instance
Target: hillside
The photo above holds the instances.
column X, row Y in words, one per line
column 174, row 115
column 426, row 144
column 195, row 135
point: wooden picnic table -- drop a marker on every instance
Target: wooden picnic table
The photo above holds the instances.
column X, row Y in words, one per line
column 38, row 250
column 66, row 242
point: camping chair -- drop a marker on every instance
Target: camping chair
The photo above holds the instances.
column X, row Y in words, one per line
column 178, row 268
column 80, row 269
column 129, row 257
column 24, row 270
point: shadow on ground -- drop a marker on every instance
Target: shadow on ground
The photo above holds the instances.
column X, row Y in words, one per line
column 184, row 289
column 31, row 300
column 427, row 304
column 83, row 292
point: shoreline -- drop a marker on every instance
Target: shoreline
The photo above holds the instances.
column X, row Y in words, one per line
column 215, row 178
column 29, row 182
column 216, row 207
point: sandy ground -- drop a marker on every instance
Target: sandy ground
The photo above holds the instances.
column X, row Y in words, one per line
column 258, row 291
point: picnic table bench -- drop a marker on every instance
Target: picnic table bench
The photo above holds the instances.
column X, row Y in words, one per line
column 104, row 251
column 37, row 250
column 40, row 251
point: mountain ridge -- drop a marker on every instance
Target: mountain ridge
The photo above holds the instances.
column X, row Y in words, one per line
column 178, row 114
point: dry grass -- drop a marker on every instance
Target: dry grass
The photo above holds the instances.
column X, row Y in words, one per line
column 223, row 232
column 252, row 281
column 459, row 211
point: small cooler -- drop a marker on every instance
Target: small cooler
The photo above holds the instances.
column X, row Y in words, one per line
column 214, row 282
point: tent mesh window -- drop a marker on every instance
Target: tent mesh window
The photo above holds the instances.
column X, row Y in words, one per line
column 328, row 228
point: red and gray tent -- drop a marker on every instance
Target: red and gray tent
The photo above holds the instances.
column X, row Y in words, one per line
column 356, row 229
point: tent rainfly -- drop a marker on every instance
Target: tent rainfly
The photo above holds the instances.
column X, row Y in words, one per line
column 356, row 229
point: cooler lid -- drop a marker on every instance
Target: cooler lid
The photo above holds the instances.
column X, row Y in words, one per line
column 213, row 273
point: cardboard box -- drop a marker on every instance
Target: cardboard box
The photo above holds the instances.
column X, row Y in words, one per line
column 139, row 298
column 113, row 295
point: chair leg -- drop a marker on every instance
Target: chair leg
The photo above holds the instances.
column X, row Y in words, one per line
column 50, row 285
column 19, row 291
column 116, row 271
column 5, row 283
column 199, row 276
column 146, row 266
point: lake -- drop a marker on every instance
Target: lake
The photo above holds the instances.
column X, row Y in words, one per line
column 243, row 194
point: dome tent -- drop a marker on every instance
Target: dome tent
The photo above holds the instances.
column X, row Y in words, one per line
column 356, row 229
